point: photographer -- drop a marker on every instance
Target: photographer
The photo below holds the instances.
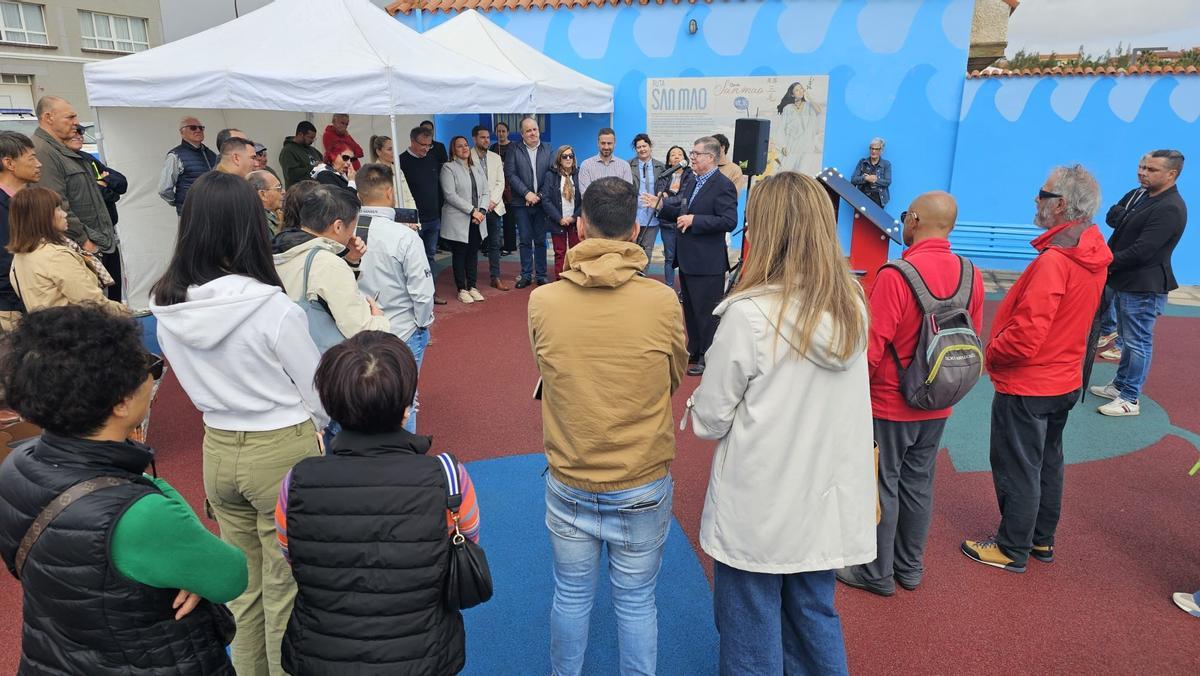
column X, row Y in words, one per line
column 873, row 174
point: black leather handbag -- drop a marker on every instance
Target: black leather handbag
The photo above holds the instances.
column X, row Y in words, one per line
column 468, row 578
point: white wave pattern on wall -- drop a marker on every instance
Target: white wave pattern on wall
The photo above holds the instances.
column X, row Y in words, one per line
column 883, row 25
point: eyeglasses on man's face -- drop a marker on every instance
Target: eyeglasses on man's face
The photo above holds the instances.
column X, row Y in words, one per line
column 905, row 214
column 1045, row 195
column 694, row 154
column 876, row 147
column 193, row 127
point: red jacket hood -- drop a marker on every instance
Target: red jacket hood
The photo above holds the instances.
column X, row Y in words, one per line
column 1080, row 241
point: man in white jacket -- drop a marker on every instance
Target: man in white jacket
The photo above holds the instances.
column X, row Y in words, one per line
column 493, row 168
column 394, row 269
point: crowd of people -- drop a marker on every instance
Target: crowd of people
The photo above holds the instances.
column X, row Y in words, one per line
column 295, row 313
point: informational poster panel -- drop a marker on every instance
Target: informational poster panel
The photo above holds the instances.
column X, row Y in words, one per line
column 679, row 110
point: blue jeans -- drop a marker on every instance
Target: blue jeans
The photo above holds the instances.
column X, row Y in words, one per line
column 417, row 342
column 668, row 239
column 634, row 525
column 531, row 238
column 430, row 231
column 777, row 624
column 1136, row 315
column 492, row 244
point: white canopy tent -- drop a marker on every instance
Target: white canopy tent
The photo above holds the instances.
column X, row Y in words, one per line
column 558, row 88
column 261, row 73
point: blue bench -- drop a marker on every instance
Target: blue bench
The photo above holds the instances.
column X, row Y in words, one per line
column 982, row 239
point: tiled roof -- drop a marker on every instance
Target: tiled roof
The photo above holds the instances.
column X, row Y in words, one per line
column 1074, row 70
column 406, row 6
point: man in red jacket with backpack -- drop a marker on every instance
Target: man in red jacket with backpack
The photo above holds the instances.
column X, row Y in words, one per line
column 909, row 437
column 1039, row 342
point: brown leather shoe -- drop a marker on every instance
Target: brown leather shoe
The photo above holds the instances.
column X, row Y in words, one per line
column 501, row 285
column 438, row 300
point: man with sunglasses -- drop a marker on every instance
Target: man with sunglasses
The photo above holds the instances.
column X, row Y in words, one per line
column 1036, row 356
column 185, row 163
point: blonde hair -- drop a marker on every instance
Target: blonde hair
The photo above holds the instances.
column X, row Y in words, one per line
column 794, row 246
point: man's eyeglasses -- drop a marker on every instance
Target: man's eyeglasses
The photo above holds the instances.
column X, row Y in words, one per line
column 277, row 188
column 1044, row 195
column 347, row 158
column 904, row 217
column 261, row 153
column 154, row 366
column 425, row 145
column 698, row 154
column 876, row 147
column 193, row 127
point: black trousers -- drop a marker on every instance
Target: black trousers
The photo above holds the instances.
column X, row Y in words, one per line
column 465, row 258
column 701, row 294
column 907, row 455
column 1027, row 468
column 112, row 263
column 510, row 230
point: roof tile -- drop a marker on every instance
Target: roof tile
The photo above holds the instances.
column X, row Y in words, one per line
column 1079, row 71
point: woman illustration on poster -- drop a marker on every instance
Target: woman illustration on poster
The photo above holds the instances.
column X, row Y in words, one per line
column 802, row 130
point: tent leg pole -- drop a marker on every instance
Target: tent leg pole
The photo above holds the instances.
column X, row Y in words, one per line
column 396, row 177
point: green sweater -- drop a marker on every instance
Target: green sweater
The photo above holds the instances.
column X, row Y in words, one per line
column 160, row 542
column 297, row 161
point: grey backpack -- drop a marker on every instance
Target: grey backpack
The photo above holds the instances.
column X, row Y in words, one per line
column 948, row 359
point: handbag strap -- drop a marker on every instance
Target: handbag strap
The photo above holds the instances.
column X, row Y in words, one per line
column 453, row 492
column 308, row 266
column 56, row 507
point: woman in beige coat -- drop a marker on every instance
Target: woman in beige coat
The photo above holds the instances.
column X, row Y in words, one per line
column 48, row 269
column 464, row 215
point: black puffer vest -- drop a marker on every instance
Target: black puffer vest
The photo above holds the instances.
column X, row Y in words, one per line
column 196, row 162
column 81, row 615
column 367, row 537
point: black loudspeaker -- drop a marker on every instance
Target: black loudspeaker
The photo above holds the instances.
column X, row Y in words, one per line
column 750, row 138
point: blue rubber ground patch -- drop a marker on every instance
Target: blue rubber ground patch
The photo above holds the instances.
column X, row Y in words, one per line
column 511, row 633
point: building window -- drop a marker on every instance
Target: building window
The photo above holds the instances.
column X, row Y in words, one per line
column 9, row 78
column 113, row 33
column 22, row 22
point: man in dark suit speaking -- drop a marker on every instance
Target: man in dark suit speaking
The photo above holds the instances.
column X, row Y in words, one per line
column 524, row 169
column 704, row 209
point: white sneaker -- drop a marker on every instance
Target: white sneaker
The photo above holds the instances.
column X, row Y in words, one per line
column 1111, row 354
column 1105, row 341
column 1186, row 602
column 474, row 293
column 1119, row 407
column 465, row 297
column 1106, row 391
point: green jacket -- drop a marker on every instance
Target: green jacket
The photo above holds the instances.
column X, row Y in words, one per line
column 67, row 174
column 297, row 161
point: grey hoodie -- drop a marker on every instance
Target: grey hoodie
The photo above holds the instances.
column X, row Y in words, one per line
column 243, row 354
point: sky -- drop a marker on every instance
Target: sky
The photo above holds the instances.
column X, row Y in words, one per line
column 1062, row 25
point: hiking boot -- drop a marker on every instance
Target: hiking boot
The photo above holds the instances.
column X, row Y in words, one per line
column 1119, row 407
column 989, row 553
column 1107, row 391
column 1107, row 340
column 1111, row 354
column 849, row 577
column 1043, row 553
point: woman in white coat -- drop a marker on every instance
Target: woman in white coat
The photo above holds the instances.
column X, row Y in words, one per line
column 464, row 215
column 792, row 496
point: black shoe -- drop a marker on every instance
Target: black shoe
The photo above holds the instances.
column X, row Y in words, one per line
column 696, row 370
column 1043, row 553
column 522, row 283
column 902, row 583
column 848, row 577
column 540, row 282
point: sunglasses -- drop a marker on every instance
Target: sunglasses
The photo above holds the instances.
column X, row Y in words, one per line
column 347, row 158
column 1044, row 195
column 568, row 156
column 261, row 153
column 904, row 217
column 154, row 366
column 193, row 127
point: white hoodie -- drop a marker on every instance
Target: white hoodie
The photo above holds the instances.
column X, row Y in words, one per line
column 242, row 352
column 792, row 487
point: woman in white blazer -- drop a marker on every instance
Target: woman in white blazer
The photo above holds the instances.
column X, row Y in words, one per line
column 792, row 496
column 464, row 215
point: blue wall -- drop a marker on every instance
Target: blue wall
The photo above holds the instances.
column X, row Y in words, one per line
column 1015, row 129
column 895, row 67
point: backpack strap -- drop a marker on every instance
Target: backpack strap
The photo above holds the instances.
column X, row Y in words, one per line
column 925, row 298
column 966, row 285
column 56, row 507
column 308, row 267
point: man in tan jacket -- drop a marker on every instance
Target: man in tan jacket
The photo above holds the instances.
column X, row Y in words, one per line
column 610, row 347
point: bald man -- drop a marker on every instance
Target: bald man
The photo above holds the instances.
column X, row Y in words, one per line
column 908, row 437
column 66, row 172
column 185, row 163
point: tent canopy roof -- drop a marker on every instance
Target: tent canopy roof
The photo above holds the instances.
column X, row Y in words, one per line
column 308, row 55
column 558, row 88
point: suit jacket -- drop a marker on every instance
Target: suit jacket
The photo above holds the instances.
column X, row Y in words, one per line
column 702, row 250
column 550, row 190
column 495, row 176
column 457, row 206
column 519, row 172
column 656, row 168
column 1143, row 240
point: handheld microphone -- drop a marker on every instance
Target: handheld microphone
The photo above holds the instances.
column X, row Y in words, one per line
column 671, row 170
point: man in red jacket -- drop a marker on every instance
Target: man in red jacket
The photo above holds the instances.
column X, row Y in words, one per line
column 339, row 132
column 908, row 438
column 1039, row 340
